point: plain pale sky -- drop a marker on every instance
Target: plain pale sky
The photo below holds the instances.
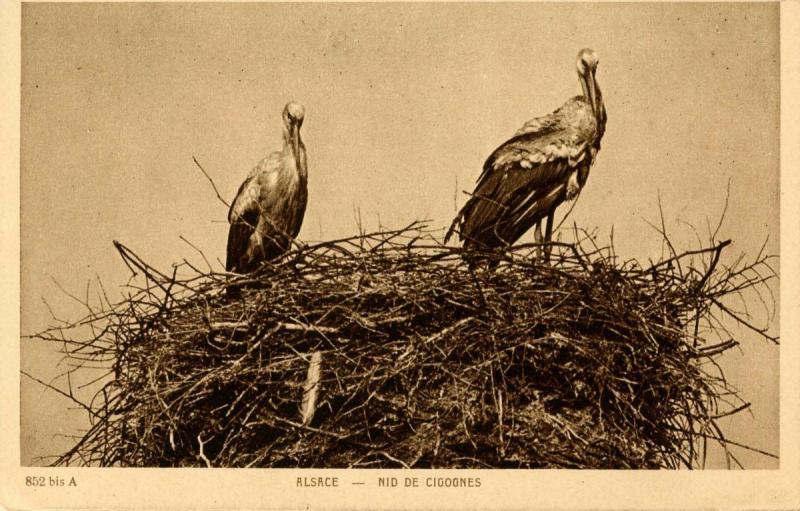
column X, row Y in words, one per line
column 403, row 104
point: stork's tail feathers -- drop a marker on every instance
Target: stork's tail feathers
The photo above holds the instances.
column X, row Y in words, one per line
column 232, row 259
column 454, row 227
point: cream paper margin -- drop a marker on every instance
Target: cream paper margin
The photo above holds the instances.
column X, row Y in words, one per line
column 506, row 489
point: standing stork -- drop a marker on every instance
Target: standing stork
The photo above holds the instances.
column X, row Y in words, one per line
column 268, row 210
column 529, row 176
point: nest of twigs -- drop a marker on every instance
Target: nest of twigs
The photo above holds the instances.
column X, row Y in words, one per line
column 387, row 350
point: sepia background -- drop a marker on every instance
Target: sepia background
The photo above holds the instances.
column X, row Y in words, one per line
column 404, row 102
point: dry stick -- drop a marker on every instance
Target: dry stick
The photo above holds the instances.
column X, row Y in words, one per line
column 210, row 269
column 566, row 215
column 716, row 349
column 130, row 258
column 447, row 330
column 664, row 234
column 210, row 181
column 392, row 458
column 713, row 265
column 78, row 300
column 738, row 318
column 202, row 454
column 734, row 411
column 500, row 422
column 311, row 389
column 243, row 325
column 311, row 429
column 71, row 398
column 682, row 255
column 388, row 237
column 724, row 211
column 723, row 440
column 307, row 328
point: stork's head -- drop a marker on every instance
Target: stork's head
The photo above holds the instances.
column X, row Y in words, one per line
column 587, row 67
column 587, row 60
column 293, row 114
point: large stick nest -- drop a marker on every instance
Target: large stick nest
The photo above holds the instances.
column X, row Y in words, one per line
column 586, row 362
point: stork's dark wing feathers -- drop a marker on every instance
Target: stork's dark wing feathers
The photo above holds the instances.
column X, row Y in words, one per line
column 244, row 213
column 241, row 189
column 243, row 217
column 238, row 237
column 535, row 128
column 500, row 208
column 525, row 178
column 269, row 164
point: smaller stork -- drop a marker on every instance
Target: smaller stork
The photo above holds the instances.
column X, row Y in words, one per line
column 268, row 210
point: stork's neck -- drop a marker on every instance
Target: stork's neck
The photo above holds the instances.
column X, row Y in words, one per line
column 601, row 113
column 302, row 169
column 298, row 157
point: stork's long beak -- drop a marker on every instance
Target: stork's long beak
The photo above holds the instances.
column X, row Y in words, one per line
column 590, row 90
column 295, row 138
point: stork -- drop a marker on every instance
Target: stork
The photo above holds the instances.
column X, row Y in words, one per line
column 544, row 164
column 268, row 210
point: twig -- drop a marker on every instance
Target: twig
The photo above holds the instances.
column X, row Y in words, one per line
column 202, row 454
column 227, row 205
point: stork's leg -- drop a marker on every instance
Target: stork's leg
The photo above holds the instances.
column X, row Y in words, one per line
column 548, row 235
column 537, row 235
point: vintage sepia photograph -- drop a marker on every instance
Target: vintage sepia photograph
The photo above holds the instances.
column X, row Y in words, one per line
column 318, row 236
column 400, row 236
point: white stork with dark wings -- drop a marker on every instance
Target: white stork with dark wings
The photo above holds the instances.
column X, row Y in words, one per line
column 545, row 163
column 268, row 210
